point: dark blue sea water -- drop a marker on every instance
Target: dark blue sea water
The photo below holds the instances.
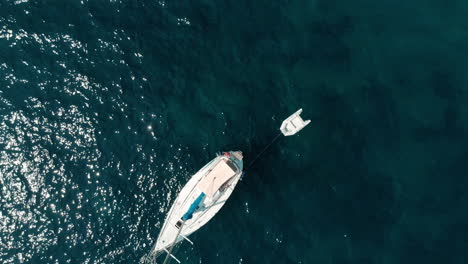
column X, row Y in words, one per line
column 108, row 107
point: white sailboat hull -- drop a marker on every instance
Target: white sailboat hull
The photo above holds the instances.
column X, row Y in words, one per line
column 213, row 202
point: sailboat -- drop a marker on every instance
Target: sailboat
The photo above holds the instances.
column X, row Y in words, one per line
column 199, row 200
column 206, row 192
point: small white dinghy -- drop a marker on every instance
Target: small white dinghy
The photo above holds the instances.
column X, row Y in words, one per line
column 293, row 124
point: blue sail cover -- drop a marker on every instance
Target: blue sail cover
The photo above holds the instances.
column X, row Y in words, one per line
column 188, row 215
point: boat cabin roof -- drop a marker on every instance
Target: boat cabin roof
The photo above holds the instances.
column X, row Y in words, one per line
column 217, row 176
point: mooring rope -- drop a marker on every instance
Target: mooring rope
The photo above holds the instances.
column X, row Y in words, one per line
column 264, row 149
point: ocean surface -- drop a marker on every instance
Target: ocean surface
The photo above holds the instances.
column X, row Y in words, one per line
column 108, row 107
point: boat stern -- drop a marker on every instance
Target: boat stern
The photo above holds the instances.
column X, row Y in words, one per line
column 237, row 154
column 237, row 158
